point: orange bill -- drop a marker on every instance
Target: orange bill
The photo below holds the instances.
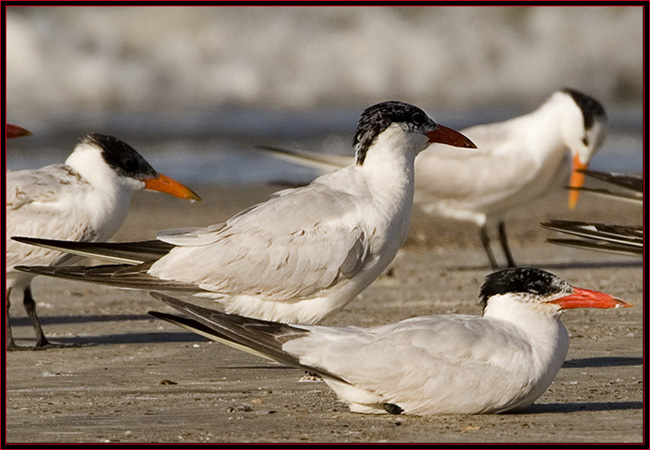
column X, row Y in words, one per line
column 576, row 181
column 162, row 183
column 584, row 298
column 14, row 131
column 446, row 135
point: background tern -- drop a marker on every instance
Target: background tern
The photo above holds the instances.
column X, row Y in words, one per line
column 518, row 161
column 85, row 199
column 448, row 364
column 304, row 253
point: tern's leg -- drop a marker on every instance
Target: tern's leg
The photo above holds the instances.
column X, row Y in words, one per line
column 504, row 243
column 30, row 307
column 485, row 240
column 11, row 345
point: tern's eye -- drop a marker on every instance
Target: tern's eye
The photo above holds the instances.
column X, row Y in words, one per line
column 585, row 141
column 418, row 118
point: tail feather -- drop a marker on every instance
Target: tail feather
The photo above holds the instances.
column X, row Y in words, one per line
column 632, row 182
column 117, row 275
column 308, row 159
column 619, row 239
column 633, row 197
column 259, row 337
column 119, row 252
column 597, row 246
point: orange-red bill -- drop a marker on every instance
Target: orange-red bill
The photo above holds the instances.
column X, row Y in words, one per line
column 446, row 135
column 576, row 181
column 162, row 183
column 14, row 131
column 584, row 298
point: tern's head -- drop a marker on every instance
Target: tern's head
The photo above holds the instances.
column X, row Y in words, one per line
column 103, row 159
column 584, row 133
column 405, row 122
column 542, row 290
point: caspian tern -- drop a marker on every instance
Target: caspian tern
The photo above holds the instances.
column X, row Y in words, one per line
column 518, row 161
column 448, row 364
column 304, row 253
column 85, row 199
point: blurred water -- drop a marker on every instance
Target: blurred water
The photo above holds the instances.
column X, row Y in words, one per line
column 194, row 89
column 219, row 146
column 71, row 59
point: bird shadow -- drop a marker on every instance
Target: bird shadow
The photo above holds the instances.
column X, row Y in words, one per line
column 54, row 320
column 121, row 339
column 544, row 408
column 603, row 361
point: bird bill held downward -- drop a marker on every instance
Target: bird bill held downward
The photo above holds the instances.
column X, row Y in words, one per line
column 449, row 136
column 576, row 181
column 162, row 183
column 585, row 298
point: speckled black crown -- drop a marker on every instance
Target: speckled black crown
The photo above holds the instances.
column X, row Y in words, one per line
column 526, row 280
column 375, row 119
column 592, row 110
column 119, row 155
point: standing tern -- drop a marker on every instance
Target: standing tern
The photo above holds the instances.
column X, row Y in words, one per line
column 519, row 160
column 448, row 364
column 86, row 199
column 301, row 255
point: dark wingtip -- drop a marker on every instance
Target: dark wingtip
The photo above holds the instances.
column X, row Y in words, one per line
column 24, row 240
column 30, row 269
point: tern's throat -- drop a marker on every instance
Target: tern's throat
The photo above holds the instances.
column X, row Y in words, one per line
column 540, row 324
column 389, row 165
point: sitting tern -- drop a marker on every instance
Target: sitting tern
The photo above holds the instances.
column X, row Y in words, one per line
column 518, row 161
column 85, row 199
column 448, row 364
column 304, row 253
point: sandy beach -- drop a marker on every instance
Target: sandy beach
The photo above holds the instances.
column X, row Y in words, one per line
column 133, row 378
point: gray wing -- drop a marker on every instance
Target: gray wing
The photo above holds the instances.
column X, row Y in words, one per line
column 296, row 244
column 36, row 207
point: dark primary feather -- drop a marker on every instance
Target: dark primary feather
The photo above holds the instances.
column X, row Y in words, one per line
column 631, row 196
column 599, row 236
column 259, row 335
column 632, row 182
column 601, row 246
column 117, row 275
column 124, row 252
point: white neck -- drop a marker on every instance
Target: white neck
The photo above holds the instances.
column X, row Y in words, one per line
column 109, row 198
column 389, row 165
column 554, row 127
column 539, row 322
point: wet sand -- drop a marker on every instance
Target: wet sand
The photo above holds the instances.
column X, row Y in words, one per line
column 133, row 378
